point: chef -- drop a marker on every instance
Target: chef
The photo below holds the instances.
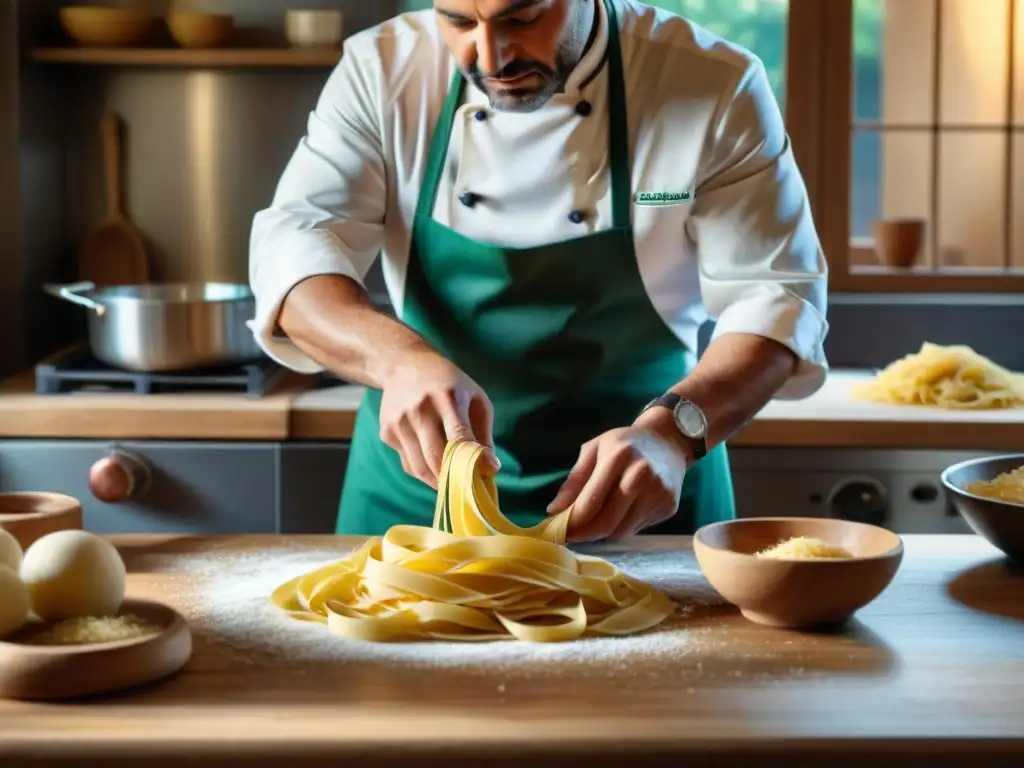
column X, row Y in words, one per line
column 561, row 192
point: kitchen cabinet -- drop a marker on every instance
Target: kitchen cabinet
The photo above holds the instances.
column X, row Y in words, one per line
column 898, row 489
column 294, row 487
column 310, row 480
column 185, row 487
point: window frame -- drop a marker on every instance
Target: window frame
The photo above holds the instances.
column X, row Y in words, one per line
column 819, row 116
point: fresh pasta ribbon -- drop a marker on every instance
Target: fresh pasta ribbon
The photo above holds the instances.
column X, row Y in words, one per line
column 474, row 576
column 954, row 377
column 467, row 501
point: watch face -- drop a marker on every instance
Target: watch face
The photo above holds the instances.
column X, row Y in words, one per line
column 690, row 420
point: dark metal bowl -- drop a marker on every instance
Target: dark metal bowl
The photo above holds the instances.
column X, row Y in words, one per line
column 1001, row 523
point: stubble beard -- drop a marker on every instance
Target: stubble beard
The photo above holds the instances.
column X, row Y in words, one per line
column 570, row 51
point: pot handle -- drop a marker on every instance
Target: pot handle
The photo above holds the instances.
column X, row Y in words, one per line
column 72, row 292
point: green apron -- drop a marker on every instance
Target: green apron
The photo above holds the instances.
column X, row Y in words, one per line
column 563, row 339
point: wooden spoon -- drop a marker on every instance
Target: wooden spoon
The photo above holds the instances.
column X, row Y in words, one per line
column 113, row 253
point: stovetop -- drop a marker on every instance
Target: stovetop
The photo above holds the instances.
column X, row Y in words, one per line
column 76, row 370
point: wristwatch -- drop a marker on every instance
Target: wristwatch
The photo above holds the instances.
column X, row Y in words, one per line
column 689, row 419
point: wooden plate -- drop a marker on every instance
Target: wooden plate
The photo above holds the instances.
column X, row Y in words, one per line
column 49, row 672
column 30, row 516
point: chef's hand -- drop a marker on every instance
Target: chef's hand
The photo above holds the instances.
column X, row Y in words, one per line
column 625, row 480
column 428, row 402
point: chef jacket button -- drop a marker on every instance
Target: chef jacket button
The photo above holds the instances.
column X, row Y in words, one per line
column 480, row 115
column 468, row 199
column 576, row 217
column 584, row 108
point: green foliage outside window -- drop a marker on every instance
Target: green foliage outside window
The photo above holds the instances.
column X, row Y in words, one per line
column 760, row 26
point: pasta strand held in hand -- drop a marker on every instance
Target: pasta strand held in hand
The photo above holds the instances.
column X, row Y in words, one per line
column 945, row 377
column 473, row 576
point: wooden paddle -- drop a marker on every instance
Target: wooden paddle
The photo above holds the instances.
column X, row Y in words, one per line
column 113, row 253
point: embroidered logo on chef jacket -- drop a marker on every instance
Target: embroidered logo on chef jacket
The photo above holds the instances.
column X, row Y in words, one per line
column 651, row 199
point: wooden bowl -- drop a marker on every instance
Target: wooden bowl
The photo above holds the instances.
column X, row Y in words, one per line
column 797, row 594
column 30, row 516
column 200, row 30
column 52, row 672
column 1001, row 523
column 898, row 242
column 102, row 27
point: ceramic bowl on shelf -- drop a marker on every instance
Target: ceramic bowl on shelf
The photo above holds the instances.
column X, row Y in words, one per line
column 98, row 26
column 999, row 522
column 314, row 29
column 797, row 593
column 30, row 516
column 200, row 30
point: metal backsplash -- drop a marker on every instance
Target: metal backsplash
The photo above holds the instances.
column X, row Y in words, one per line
column 202, row 153
column 202, row 148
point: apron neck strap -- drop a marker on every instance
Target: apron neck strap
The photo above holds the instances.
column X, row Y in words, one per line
column 618, row 133
column 439, row 147
column 618, row 124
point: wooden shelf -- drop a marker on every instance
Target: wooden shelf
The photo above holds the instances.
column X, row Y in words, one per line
column 179, row 57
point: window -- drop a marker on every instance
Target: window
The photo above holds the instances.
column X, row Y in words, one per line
column 758, row 25
column 934, row 133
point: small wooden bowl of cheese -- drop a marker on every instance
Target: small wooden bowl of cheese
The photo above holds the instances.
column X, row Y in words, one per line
column 797, row 572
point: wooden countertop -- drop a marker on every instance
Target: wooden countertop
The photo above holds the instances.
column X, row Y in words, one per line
column 124, row 416
column 299, row 409
column 932, row 674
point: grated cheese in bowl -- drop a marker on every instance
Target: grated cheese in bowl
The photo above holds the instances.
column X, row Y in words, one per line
column 804, row 548
column 84, row 630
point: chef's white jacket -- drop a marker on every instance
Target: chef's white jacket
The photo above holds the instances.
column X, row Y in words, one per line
column 735, row 242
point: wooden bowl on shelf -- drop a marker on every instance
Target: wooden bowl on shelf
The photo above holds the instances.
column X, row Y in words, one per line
column 899, row 242
column 30, row 516
column 1000, row 523
column 200, row 30
column 35, row 671
column 797, row 593
column 98, row 26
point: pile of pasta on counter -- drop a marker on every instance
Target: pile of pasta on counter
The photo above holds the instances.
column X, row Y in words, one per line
column 945, row 377
column 65, row 589
column 473, row 576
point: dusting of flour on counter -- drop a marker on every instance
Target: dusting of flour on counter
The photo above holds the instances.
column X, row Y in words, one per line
column 230, row 604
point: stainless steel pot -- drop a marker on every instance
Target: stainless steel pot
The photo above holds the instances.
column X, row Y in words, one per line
column 167, row 327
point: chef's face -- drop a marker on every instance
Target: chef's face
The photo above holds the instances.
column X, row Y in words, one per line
column 518, row 52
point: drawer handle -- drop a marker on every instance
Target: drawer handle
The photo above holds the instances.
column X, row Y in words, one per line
column 118, row 477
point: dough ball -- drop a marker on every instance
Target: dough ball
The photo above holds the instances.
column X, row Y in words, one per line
column 10, row 550
column 73, row 573
column 14, row 602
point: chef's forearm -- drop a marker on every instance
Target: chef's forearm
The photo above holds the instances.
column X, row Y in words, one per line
column 736, row 377
column 331, row 319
